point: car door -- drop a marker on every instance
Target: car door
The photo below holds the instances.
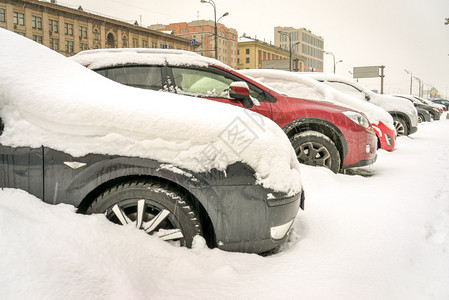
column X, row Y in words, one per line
column 139, row 76
column 213, row 84
column 21, row 168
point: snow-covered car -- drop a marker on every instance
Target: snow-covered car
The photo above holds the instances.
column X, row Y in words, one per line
column 439, row 106
column 301, row 86
column 434, row 111
column 168, row 164
column 443, row 102
column 404, row 114
column 322, row 134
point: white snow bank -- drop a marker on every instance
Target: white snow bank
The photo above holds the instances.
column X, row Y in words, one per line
column 46, row 99
column 301, row 86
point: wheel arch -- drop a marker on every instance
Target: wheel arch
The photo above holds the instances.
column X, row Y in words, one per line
column 403, row 116
column 323, row 126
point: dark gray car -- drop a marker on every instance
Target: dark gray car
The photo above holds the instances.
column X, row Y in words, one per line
column 227, row 207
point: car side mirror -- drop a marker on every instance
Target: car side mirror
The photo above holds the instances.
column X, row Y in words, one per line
column 367, row 97
column 239, row 90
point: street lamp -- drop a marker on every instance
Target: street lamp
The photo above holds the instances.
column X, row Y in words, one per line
column 211, row 2
column 333, row 56
column 289, row 35
column 411, row 80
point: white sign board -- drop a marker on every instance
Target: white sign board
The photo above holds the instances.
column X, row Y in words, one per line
column 366, row 72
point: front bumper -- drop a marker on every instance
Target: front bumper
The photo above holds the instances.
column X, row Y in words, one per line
column 362, row 148
column 254, row 223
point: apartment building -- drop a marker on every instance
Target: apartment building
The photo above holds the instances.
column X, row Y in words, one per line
column 256, row 54
column 304, row 43
column 203, row 31
column 69, row 30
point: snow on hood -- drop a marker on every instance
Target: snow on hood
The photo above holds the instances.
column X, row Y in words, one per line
column 302, row 86
column 48, row 100
column 100, row 58
column 387, row 102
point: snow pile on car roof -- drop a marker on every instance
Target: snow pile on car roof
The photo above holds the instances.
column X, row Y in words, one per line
column 100, row 58
column 302, row 86
column 46, row 99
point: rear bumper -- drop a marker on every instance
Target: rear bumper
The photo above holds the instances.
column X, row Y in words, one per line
column 386, row 136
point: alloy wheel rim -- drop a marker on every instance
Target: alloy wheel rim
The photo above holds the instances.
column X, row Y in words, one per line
column 314, row 154
column 148, row 216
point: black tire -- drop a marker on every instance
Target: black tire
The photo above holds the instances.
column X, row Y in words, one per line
column 400, row 125
column 316, row 149
column 153, row 207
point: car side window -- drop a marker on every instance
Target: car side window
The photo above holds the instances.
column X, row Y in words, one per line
column 346, row 88
column 204, row 83
column 145, row 77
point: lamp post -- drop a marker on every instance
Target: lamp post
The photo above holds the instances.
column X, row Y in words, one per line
column 333, row 56
column 211, row 2
column 289, row 35
column 411, row 80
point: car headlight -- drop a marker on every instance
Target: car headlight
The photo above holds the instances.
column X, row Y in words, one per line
column 357, row 118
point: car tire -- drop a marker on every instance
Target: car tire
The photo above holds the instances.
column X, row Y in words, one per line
column 420, row 118
column 316, row 149
column 153, row 207
column 400, row 125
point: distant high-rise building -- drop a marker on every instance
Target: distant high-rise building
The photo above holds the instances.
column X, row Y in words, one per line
column 203, row 32
column 304, row 43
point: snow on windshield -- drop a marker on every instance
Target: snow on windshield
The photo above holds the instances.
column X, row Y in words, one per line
column 46, row 99
column 301, row 86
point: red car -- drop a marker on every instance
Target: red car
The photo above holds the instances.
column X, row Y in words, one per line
column 322, row 134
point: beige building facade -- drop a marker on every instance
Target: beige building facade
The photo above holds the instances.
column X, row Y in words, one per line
column 256, row 54
column 70, row 30
column 203, row 32
column 303, row 43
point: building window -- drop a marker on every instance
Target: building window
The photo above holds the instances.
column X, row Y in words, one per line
column 82, row 32
column 68, row 29
column 247, row 60
column 54, row 44
column 36, row 22
column 18, row 19
column 125, row 43
column 135, row 43
column 37, row 38
column 53, row 26
column 144, row 44
column 2, row 15
column 69, row 46
column 96, row 34
column 83, row 46
column 247, row 51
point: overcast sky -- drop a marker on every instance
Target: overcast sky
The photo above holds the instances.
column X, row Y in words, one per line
column 399, row 34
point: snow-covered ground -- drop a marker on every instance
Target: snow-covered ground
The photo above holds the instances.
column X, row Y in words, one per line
column 379, row 237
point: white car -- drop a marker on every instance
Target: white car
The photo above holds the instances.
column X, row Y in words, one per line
column 403, row 111
column 301, row 86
